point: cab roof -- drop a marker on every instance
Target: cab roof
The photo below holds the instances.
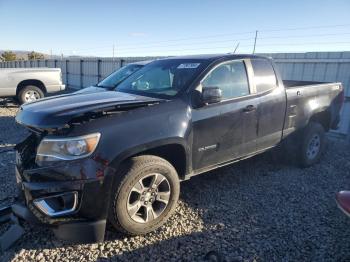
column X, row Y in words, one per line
column 214, row 57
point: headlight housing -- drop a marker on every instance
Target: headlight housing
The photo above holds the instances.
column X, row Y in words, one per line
column 70, row 148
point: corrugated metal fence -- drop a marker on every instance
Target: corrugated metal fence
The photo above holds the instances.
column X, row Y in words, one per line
column 322, row 67
column 79, row 72
column 314, row 66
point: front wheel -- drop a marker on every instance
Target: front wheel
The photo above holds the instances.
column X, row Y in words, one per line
column 145, row 194
column 312, row 144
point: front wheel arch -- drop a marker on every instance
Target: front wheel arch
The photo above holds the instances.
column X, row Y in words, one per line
column 174, row 151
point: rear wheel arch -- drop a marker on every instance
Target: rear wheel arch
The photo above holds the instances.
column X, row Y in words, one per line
column 323, row 118
column 30, row 82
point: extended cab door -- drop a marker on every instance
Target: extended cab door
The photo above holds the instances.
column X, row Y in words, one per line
column 272, row 103
column 226, row 130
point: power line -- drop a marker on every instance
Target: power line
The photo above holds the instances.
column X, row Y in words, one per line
column 250, row 45
column 305, row 28
column 173, row 40
column 219, row 41
column 266, row 44
column 305, row 43
column 137, row 46
column 85, row 49
column 197, row 37
column 194, row 49
column 303, row 36
column 243, row 33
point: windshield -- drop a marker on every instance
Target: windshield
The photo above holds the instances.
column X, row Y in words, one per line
column 118, row 76
column 163, row 78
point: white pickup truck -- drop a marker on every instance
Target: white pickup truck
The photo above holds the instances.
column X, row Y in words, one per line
column 29, row 84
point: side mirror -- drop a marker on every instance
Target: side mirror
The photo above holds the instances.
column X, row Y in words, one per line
column 211, row 95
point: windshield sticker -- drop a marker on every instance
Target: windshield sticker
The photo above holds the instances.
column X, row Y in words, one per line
column 188, row 65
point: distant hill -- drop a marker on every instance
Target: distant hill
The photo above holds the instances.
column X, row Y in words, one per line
column 22, row 54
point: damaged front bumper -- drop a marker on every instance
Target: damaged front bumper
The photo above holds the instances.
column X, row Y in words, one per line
column 70, row 197
column 14, row 213
column 81, row 232
column 75, row 210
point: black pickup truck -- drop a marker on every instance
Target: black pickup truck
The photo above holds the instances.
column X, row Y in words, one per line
column 119, row 155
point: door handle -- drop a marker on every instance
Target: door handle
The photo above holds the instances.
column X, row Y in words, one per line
column 249, row 108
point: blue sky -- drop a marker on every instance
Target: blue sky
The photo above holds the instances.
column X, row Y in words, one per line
column 161, row 27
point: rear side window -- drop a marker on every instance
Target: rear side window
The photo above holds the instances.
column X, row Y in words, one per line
column 264, row 75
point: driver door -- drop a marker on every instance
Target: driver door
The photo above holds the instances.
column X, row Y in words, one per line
column 226, row 130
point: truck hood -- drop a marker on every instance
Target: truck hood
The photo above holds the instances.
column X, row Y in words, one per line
column 60, row 111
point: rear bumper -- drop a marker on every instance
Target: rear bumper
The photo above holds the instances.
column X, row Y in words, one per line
column 55, row 88
column 335, row 122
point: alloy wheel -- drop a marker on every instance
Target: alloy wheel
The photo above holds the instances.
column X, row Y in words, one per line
column 148, row 198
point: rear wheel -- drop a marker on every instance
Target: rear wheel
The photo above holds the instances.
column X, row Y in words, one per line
column 312, row 144
column 144, row 196
column 30, row 93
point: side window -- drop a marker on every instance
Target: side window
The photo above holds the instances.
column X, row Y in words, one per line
column 264, row 75
column 231, row 78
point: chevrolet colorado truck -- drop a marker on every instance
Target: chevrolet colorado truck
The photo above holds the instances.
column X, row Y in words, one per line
column 30, row 84
column 119, row 155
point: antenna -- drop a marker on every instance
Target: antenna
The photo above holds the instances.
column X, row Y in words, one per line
column 236, row 48
column 256, row 36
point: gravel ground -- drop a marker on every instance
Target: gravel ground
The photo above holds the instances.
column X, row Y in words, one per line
column 255, row 210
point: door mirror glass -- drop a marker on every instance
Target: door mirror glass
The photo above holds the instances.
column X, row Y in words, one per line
column 211, row 95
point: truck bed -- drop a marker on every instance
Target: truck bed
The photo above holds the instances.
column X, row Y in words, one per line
column 295, row 83
column 304, row 96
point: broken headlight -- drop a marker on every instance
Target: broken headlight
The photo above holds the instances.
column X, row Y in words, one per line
column 70, row 148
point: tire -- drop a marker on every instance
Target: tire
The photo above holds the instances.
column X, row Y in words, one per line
column 313, row 143
column 124, row 195
column 30, row 93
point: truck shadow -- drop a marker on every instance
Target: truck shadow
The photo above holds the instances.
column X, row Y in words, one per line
column 204, row 200
column 245, row 213
column 8, row 103
column 238, row 212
